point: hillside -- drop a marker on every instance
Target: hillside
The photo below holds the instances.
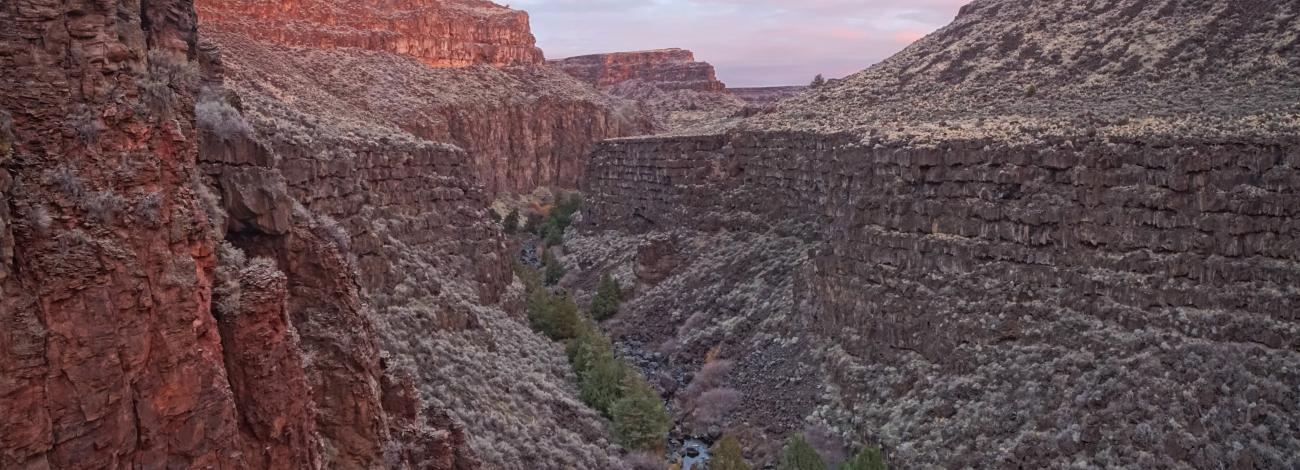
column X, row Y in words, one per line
column 1020, row 71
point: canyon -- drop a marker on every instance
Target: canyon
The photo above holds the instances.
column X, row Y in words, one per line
column 239, row 234
column 973, row 258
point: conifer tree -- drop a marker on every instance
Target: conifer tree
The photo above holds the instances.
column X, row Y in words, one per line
column 799, row 455
column 608, row 295
column 640, row 420
column 554, row 271
column 869, row 458
column 725, row 455
column 511, row 224
column 817, row 81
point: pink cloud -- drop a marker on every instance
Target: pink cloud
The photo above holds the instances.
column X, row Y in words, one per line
column 908, row 37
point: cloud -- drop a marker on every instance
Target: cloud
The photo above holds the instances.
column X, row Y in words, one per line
column 751, row 42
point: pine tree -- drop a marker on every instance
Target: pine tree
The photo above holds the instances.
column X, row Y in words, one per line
column 554, row 271
column 799, row 455
column 602, row 381
column 725, row 455
column 512, row 221
column 817, row 81
column 608, row 295
column 553, row 233
column 640, row 420
column 869, row 458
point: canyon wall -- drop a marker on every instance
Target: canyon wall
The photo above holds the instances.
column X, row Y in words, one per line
column 667, row 69
column 440, row 33
column 361, row 147
column 150, row 321
column 523, row 126
column 1120, row 281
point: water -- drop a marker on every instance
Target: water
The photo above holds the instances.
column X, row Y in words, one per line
column 694, row 452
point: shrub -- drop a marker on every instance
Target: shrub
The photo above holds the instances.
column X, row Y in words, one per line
column 149, row 208
column 608, row 295
column 817, row 81
column 711, row 406
column 799, row 455
column 869, row 458
column 511, row 224
column 103, row 206
column 640, row 420
column 643, row 461
column 222, row 119
column 170, row 75
column 556, row 317
column 828, row 445
column 726, row 455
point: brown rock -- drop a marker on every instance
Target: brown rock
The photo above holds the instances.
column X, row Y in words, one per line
column 667, row 69
column 440, row 33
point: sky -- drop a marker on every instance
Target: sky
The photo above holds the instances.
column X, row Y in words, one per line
column 750, row 42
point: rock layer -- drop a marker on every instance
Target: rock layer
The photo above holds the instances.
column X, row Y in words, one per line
column 667, row 69
column 440, row 33
column 523, row 127
column 1082, row 267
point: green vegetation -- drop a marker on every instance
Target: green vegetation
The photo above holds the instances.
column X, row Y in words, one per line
column 869, row 458
column 608, row 296
column 726, row 455
column 554, row 271
column 640, row 420
column 511, row 223
column 606, row 383
column 799, row 455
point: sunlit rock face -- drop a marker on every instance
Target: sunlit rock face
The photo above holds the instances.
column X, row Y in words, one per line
column 440, row 33
column 667, row 69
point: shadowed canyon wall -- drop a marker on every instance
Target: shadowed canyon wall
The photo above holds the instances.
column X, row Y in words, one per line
column 1123, row 280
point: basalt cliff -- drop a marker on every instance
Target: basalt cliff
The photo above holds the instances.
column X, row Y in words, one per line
column 679, row 92
column 1050, row 233
column 438, row 33
column 144, row 327
column 523, row 125
column 219, row 249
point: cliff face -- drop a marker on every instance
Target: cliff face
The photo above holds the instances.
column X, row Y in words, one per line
column 440, row 33
column 678, row 92
column 109, row 355
column 667, row 69
column 136, row 334
column 523, row 127
column 342, row 140
column 934, row 242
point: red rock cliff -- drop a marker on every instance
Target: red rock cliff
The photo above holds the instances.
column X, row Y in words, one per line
column 126, row 339
column 667, row 69
column 440, row 33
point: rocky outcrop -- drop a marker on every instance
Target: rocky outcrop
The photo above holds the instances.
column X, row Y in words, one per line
column 766, row 96
column 440, row 33
column 666, row 69
column 109, row 356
